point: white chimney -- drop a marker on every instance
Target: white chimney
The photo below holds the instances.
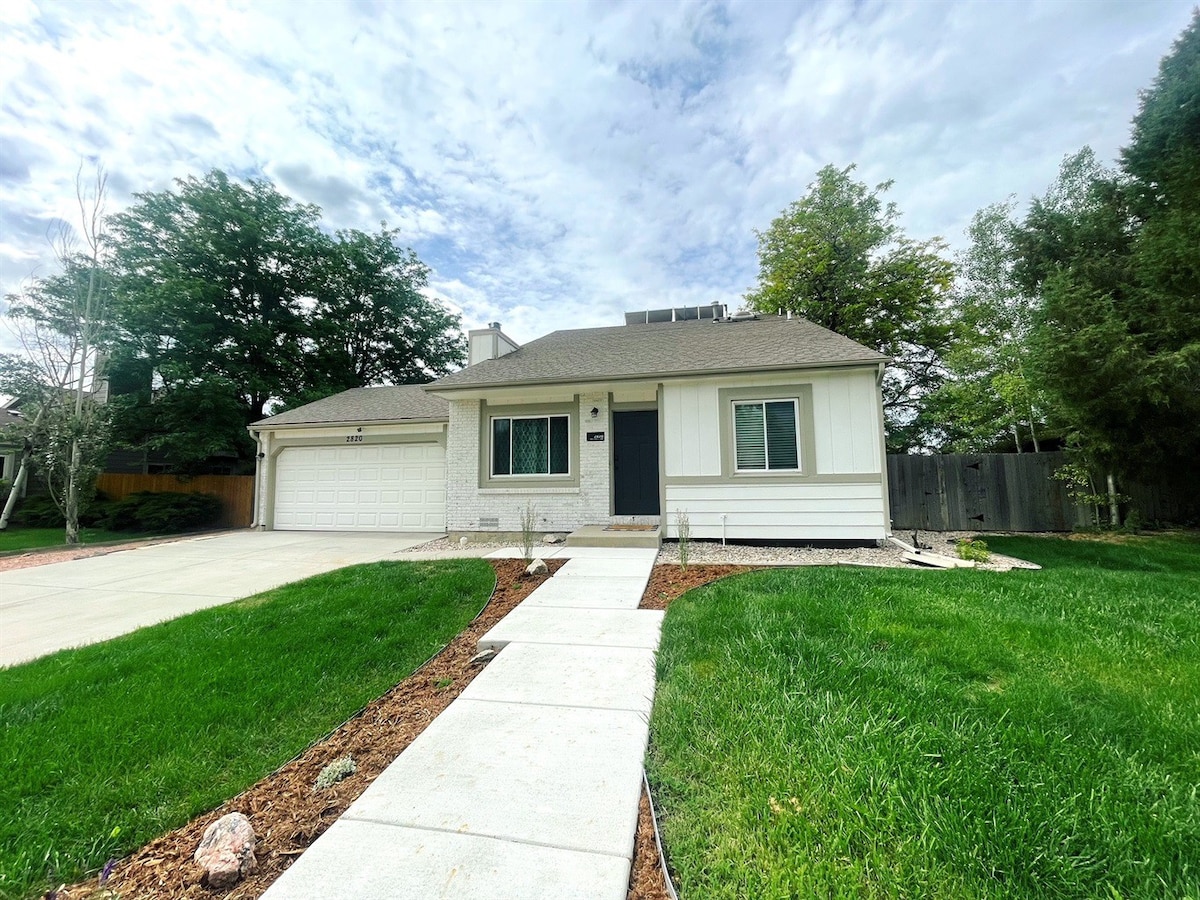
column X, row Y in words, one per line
column 488, row 343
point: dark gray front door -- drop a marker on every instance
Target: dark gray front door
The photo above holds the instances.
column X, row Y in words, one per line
column 635, row 463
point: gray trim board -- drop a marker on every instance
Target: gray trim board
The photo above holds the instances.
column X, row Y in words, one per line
column 349, row 423
column 781, row 478
column 437, row 389
column 887, row 500
column 808, row 441
column 664, row 520
column 427, row 437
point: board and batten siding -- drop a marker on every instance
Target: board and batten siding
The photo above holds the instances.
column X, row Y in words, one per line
column 839, row 496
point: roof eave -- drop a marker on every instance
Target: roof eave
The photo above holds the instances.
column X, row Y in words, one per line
column 656, row 376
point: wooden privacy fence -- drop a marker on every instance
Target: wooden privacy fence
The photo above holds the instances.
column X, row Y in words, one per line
column 236, row 491
column 981, row 492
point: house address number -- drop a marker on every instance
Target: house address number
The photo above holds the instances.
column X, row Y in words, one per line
column 354, row 438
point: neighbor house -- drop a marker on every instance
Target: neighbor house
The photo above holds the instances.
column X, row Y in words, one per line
column 761, row 428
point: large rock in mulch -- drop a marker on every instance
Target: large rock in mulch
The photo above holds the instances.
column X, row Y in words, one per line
column 537, row 567
column 227, row 850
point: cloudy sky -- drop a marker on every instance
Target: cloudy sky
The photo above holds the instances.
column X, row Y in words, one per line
column 557, row 163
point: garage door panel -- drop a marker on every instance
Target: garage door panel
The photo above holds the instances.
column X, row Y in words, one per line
column 381, row 487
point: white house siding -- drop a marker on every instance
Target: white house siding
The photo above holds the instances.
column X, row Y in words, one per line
column 827, row 502
column 472, row 508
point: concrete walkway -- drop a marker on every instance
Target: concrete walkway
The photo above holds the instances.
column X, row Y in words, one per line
column 527, row 786
column 82, row 601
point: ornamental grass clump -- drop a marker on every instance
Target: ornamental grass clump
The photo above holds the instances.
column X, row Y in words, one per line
column 683, row 528
column 528, row 521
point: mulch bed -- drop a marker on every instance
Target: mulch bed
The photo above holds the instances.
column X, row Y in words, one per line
column 668, row 582
column 288, row 815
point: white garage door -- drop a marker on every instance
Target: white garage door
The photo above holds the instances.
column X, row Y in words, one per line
column 372, row 487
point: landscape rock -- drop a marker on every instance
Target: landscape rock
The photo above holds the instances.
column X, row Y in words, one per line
column 552, row 539
column 484, row 657
column 537, row 567
column 226, row 851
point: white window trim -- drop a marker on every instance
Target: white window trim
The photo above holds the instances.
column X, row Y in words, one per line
column 547, row 474
column 767, row 470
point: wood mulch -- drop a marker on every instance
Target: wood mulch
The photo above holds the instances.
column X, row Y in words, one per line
column 668, row 582
column 288, row 814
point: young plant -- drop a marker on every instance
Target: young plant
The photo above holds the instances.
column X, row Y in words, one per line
column 338, row 770
column 684, row 529
column 975, row 550
column 528, row 521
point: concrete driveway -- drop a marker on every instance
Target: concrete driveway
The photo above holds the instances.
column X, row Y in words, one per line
column 67, row 604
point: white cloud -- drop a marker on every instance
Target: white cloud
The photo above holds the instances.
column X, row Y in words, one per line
column 556, row 164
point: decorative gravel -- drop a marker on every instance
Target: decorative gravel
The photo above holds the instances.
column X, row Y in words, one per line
column 713, row 552
column 888, row 556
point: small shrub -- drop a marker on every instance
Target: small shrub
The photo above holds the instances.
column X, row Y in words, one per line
column 162, row 512
column 338, row 770
column 974, row 550
column 38, row 511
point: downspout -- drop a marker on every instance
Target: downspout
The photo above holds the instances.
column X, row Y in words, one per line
column 883, row 462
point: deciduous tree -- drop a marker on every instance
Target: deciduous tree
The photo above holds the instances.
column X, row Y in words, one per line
column 990, row 397
column 233, row 300
column 64, row 324
column 839, row 257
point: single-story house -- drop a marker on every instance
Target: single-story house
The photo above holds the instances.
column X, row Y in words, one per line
column 755, row 428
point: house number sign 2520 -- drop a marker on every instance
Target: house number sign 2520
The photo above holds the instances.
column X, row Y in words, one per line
column 354, row 438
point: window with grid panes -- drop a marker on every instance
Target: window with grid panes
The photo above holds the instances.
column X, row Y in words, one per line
column 531, row 445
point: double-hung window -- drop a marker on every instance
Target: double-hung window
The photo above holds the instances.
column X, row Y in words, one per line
column 531, row 445
column 766, row 435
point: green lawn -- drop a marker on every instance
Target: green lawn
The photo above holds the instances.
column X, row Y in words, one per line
column 33, row 538
column 105, row 747
column 863, row 733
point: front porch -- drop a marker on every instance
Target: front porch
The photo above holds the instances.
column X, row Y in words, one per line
column 616, row 535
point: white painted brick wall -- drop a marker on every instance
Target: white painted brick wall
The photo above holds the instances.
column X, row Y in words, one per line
column 557, row 509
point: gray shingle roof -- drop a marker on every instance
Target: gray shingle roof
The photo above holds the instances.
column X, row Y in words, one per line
column 368, row 404
column 662, row 349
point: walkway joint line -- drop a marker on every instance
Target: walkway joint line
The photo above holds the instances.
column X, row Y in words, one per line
column 483, row 834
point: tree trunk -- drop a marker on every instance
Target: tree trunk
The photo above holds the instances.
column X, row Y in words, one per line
column 18, row 486
column 1016, row 436
column 71, row 506
column 1114, row 507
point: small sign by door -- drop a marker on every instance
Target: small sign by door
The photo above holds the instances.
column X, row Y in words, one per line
column 595, row 435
